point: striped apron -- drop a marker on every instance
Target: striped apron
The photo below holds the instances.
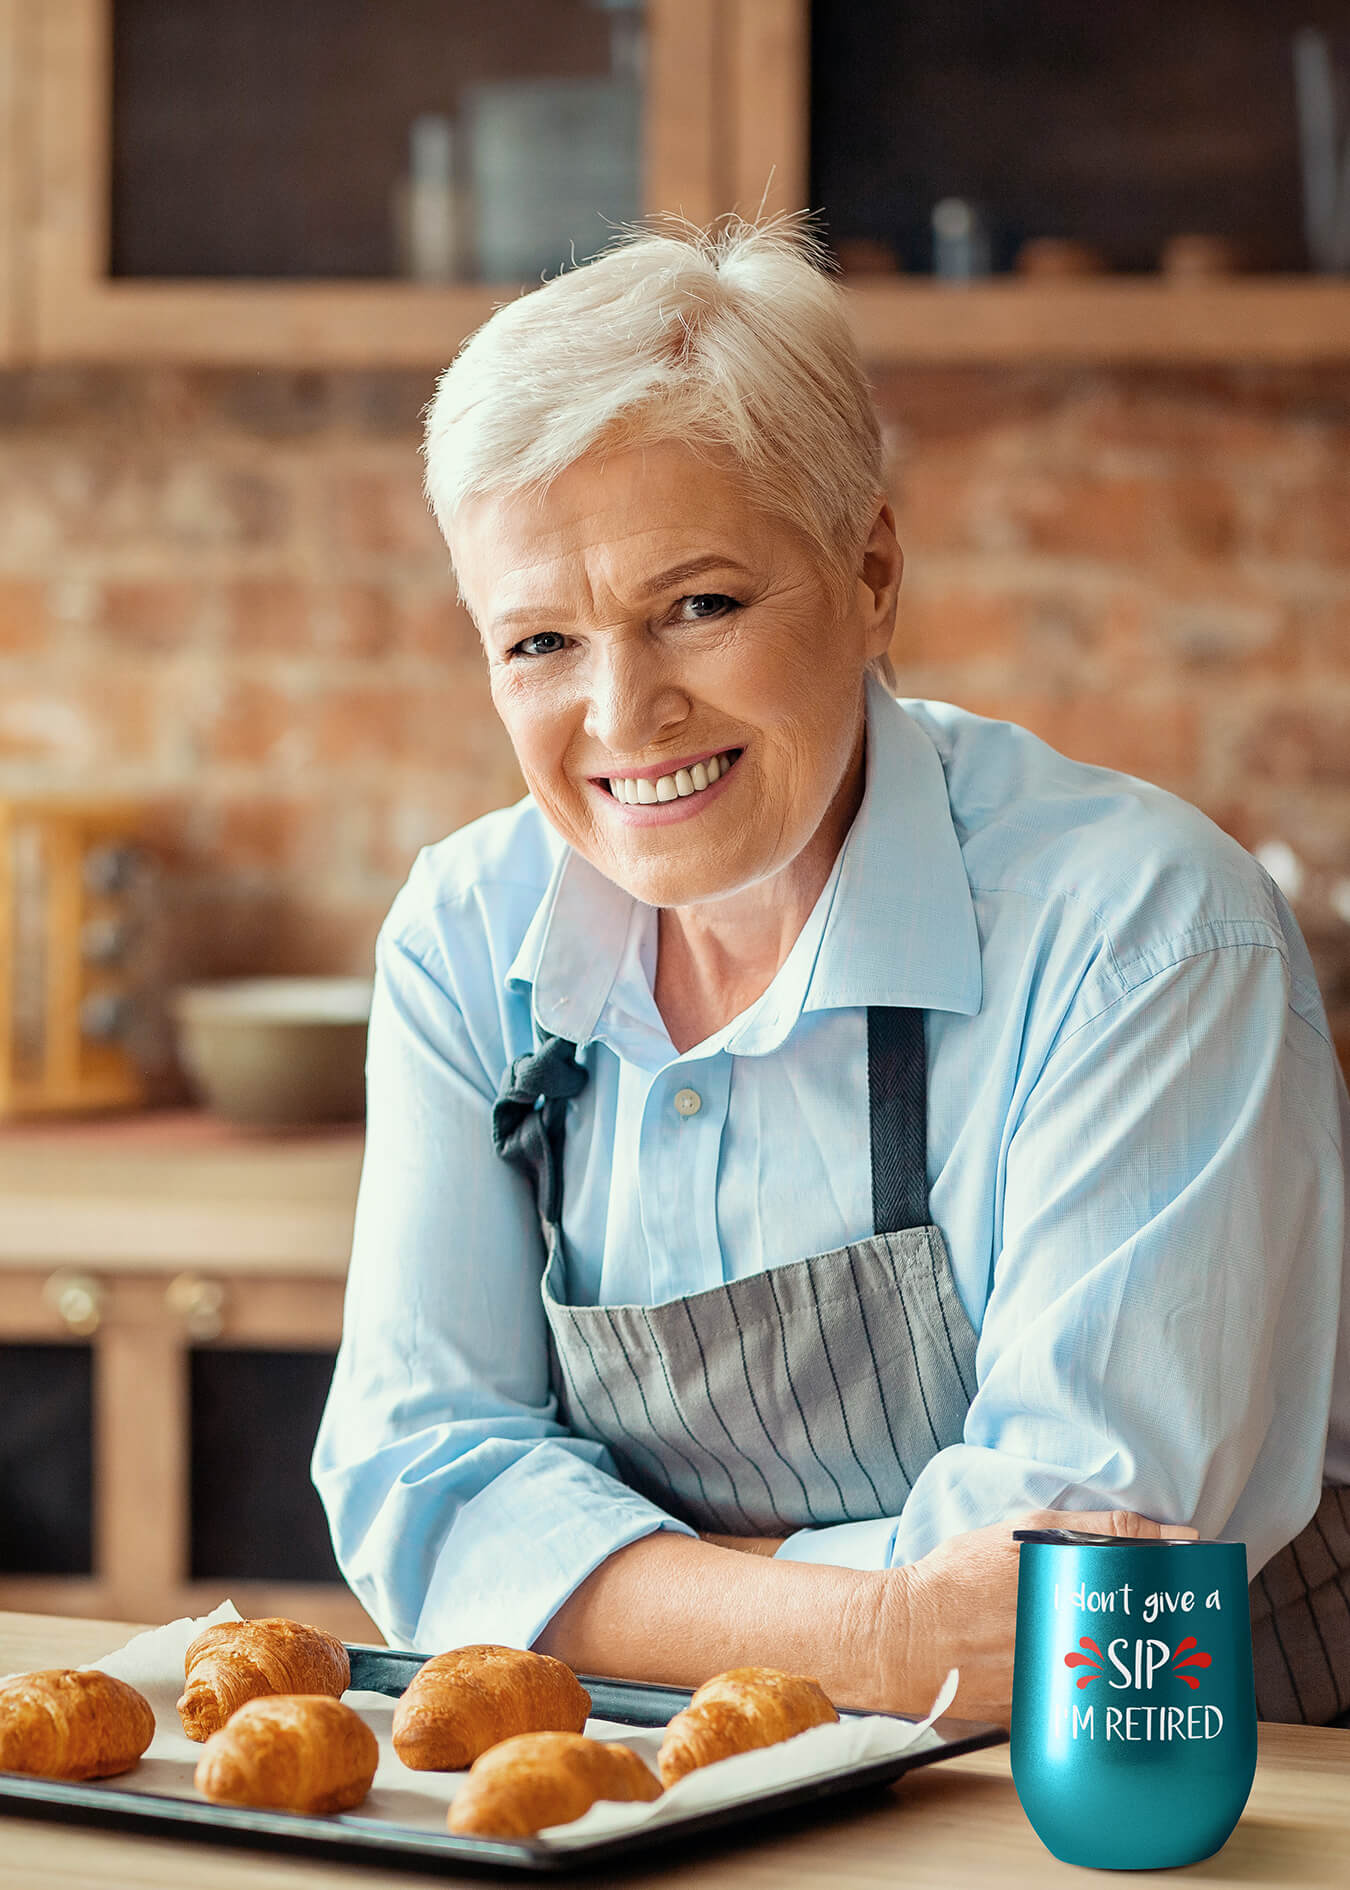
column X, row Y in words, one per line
column 815, row 1392
column 1300, row 1604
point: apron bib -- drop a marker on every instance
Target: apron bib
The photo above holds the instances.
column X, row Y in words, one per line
column 809, row 1394
column 815, row 1392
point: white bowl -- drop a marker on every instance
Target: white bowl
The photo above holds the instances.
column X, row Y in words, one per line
column 276, row 1052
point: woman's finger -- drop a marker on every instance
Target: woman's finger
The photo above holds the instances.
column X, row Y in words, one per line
column 1115, row 1522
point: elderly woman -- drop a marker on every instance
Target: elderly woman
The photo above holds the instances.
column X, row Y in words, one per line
column 809, row 1134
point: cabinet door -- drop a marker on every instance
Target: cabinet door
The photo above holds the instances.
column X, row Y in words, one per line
column 51, row 1445
column 252, row 1395
column 46, row 1460
column 253, row 1513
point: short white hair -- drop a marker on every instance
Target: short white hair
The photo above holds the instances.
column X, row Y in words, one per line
column 732, row 340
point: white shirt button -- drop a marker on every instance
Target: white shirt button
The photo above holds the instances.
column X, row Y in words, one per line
column 688, row 1101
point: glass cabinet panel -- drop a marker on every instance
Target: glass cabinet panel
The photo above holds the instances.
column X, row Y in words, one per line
column 433, row 140
column 1119, row 128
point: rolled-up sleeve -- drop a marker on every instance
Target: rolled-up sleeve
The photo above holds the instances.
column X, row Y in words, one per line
column 461, row 1509
column 1162, row 1322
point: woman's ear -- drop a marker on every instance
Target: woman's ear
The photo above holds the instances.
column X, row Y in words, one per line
column 883, row 566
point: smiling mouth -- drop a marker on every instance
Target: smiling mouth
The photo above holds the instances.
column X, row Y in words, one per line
column 683, row 784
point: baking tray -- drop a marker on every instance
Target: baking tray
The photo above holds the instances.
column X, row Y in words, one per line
column 349, row 1838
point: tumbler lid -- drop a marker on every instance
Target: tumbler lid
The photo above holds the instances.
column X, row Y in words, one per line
column 1075, row 1538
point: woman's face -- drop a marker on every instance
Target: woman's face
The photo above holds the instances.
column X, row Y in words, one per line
column 608, row 663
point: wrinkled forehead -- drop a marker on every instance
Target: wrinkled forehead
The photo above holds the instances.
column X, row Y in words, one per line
column 616, row 520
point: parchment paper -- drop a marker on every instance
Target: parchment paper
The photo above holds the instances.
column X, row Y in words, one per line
column 153, row 1662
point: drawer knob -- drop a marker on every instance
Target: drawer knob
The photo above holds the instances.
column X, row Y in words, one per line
column 110, row 868
column 77, row 1299
column 105, row 1015
column 199, row 1303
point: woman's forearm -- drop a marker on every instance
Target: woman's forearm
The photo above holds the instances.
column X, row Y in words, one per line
column 669, row 1608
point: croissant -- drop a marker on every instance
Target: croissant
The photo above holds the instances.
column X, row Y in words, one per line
column 538, row 1779
column 737, row 1711
column 290, row 1752
column 72, row 1722
column 236, row 1661
column 458, row 1704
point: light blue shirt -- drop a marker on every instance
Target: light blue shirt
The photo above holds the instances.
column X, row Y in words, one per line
column 1136, row 1148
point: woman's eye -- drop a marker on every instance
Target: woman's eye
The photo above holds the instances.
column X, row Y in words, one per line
column 716, row 598
column 540, row 636
column 550, row 642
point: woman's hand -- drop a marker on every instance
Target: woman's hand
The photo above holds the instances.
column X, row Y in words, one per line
column 957, row 1607
column 747, row 1545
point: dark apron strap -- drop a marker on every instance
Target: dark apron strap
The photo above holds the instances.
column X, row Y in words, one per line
column 897, row 1088
column 529, row 1114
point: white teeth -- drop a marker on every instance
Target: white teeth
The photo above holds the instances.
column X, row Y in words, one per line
column 670, row 787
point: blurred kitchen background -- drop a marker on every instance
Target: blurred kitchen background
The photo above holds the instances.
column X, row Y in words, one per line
column 1099, row 263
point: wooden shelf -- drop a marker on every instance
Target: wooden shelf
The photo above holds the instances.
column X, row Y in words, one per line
column 1286, row 320
column 281, row 324
column 1278, row 319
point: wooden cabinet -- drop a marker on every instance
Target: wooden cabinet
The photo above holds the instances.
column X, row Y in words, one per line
column 723, row 90
column 1117, row 128
column 727, row 92
column 188, row 1283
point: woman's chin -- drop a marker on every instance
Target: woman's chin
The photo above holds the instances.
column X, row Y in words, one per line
column 671, row 883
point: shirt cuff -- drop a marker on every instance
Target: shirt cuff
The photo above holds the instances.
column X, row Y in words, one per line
column 523, row 1544
column 844, row 1545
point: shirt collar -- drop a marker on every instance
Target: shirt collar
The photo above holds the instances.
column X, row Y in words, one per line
column 902, row 926
column 894, row 923
column 573, row 947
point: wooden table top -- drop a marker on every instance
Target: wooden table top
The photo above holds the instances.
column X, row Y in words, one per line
column 952, row 1826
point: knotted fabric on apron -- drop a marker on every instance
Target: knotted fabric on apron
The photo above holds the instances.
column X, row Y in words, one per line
column 815, row 1392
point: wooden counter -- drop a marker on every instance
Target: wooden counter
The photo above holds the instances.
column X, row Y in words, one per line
column 953, row 1826
column 169, row 1189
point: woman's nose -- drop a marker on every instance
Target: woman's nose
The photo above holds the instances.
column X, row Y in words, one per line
column 632, row 698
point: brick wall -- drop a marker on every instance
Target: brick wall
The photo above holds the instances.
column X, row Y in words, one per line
column 221, row 590
column 1152, row 571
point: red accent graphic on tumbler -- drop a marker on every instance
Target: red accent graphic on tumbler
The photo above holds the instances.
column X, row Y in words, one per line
column 1086, row 1660
column 1095, row 1661
column 1192, row 1660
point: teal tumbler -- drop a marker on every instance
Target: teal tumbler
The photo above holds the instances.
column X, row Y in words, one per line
column 1134, row 1711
